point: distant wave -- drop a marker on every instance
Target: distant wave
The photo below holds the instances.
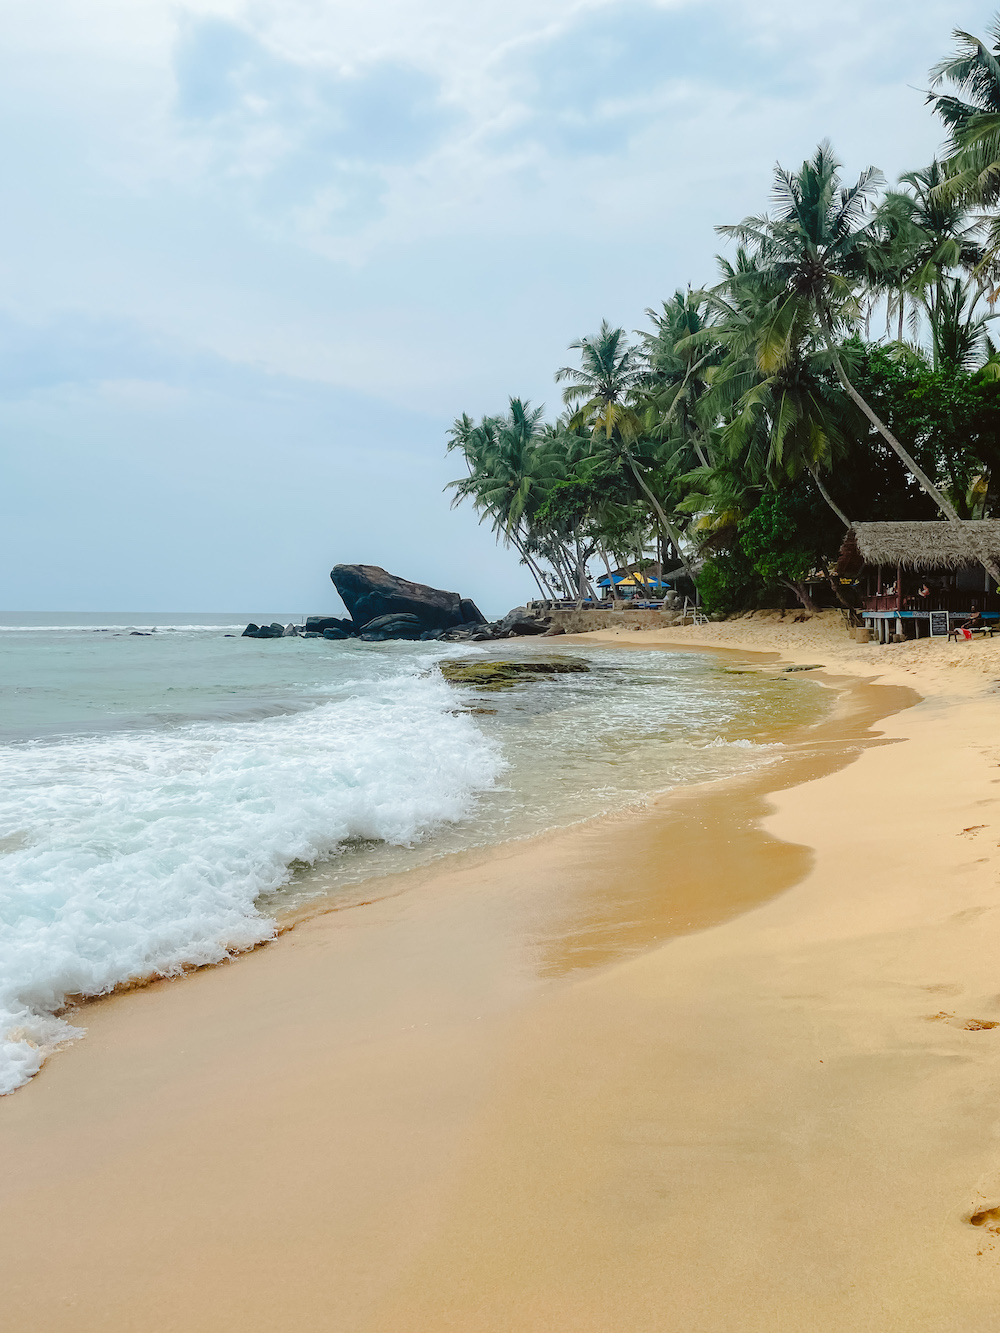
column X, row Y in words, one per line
column 137, row 854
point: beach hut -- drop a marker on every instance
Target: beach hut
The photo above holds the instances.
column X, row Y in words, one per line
column 916, row 579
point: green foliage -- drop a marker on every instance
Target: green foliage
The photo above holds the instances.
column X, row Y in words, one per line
column 728, row 583
column 949, row 418
column 778, row 539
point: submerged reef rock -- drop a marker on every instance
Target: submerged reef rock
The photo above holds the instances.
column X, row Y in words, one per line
column 504, row 675
column 371, row 594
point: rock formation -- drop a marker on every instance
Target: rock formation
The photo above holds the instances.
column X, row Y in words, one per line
column 372, row 594
column 383, row 606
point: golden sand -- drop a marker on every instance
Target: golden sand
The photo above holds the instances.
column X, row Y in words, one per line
column 724, row 1065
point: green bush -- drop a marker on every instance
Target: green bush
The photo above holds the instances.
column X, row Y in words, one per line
column 728, row 583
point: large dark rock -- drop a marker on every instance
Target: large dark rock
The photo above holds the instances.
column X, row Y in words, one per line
column 383, row 622
column 317, row 624
column 471, row 614
column 521, row 621
column 370, row 593
column 332, row 633
column 272, row 631
column 392, row 627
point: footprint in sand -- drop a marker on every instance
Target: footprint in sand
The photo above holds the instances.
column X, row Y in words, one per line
column 985, row 1207
column 965, row 1024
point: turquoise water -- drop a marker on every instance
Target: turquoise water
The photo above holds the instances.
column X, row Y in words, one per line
column 166, row 794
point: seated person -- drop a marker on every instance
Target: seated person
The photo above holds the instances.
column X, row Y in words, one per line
column 976, row 622
column 924, row 592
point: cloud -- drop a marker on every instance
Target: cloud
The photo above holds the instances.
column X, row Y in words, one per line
column 255, row 254
column 312, row 141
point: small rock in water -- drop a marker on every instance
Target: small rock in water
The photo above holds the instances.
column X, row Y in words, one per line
column 329, row 634
column 813, row 666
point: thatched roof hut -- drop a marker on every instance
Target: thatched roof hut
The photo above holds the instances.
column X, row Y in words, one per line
column 924, row 546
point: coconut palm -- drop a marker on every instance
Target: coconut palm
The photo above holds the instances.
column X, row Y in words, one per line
column 603, row 389
column 679, row 363
column 819, row 248
column 509, row 470
column 926, row 236
column 972, row 115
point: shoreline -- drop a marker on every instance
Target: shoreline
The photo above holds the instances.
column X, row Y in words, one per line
column 470, row 1108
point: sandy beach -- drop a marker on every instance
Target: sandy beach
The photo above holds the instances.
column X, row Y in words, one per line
column 728, row 1063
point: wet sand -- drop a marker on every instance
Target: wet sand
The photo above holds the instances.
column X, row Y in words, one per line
column 722, row 1064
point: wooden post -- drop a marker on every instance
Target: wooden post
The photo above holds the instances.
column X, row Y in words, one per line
column 899, row 589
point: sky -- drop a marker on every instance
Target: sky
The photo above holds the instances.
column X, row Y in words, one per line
column 256, row 255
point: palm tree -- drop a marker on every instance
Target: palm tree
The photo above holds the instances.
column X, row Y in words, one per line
column 509, row 470
column 972, row 115
column 679, row 363
column 604, row 389
column 818, row 248
column 782, row 413
column 925, row 234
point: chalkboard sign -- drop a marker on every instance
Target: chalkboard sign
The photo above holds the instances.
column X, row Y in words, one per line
column 939, row 622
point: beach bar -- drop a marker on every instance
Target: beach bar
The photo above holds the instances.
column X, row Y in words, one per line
column 921, row 579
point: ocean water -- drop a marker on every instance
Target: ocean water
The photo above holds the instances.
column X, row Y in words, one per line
column 169, row 790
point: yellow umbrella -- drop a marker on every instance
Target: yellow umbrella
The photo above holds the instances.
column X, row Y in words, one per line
column 645, row 579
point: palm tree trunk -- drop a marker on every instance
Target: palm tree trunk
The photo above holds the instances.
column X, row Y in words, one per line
column 665, row 525
column 612, row 589
column 565, row 568
column 702, row 451
column 814, row 473
column 536, row 572
column 939, row 498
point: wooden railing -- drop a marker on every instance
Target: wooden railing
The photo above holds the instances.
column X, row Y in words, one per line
column 938, row 601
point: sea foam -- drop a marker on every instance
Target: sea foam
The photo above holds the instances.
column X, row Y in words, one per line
column 136, row 854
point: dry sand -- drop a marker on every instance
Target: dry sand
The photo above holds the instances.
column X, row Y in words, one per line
column 724, row 1066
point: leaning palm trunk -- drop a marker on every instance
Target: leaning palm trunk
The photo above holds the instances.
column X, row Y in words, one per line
column 536, row 573
column 938, row 496
column 814, row 473
column 563, row 566
column 666, row 527
column 611, row 578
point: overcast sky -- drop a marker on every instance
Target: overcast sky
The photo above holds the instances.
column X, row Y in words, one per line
column 257, row 254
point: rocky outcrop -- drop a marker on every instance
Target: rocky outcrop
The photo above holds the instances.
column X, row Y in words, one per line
column 518, row 623
column 384, row 606
column 272, row 631
column 370, row 593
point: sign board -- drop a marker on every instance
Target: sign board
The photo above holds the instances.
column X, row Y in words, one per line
column 939, row 622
